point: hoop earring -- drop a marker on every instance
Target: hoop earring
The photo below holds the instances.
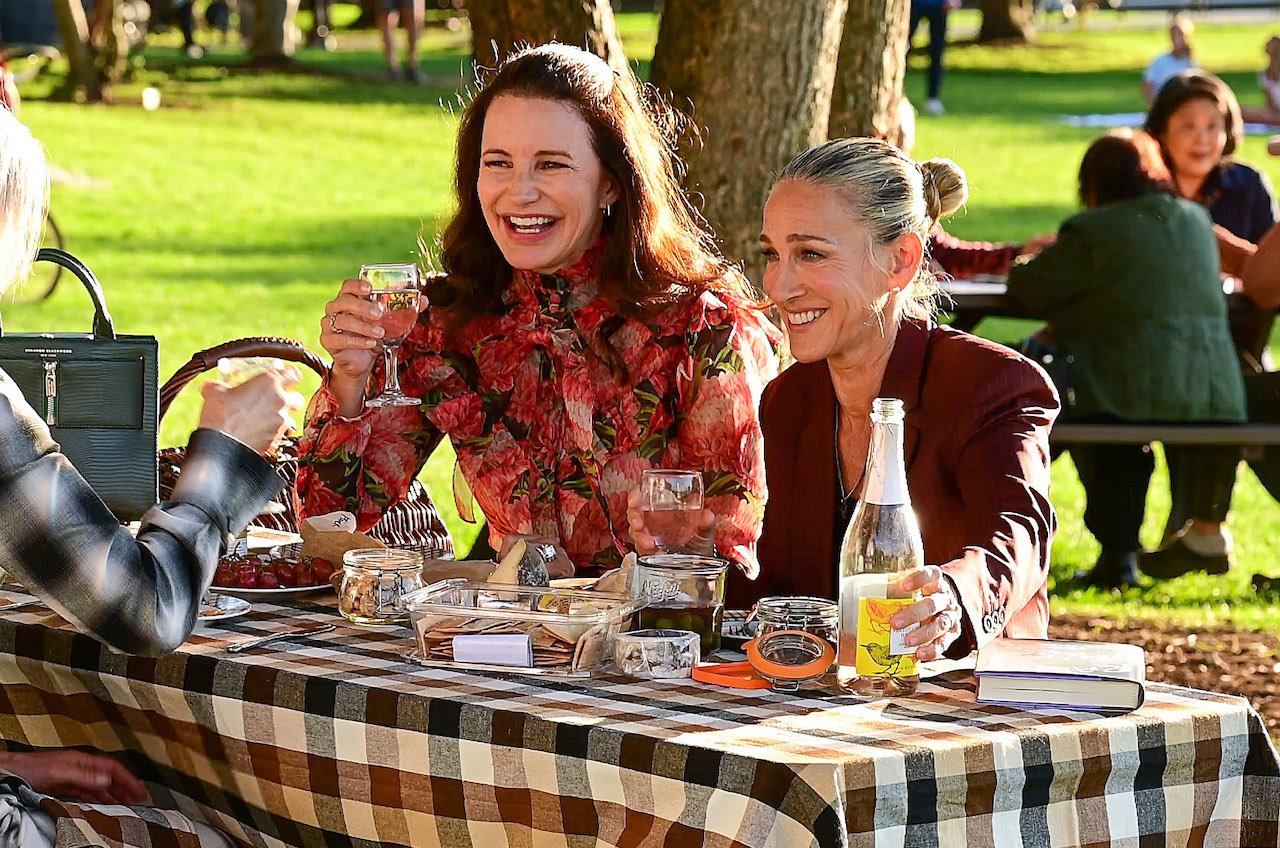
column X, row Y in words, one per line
column 608, row 209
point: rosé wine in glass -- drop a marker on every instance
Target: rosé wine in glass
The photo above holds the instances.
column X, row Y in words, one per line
column 400, row 312
column 671, row 504
column 397, row 288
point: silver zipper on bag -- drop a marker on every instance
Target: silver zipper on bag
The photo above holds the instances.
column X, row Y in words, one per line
column 51, row 392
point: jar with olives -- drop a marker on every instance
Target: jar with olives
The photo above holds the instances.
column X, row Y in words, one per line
column 684, row 593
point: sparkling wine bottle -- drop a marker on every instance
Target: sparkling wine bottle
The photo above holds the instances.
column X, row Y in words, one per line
column 881, row 547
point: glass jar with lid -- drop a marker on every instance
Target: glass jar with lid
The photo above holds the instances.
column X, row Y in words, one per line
column 796, row 640
column 812, row 615
column 683, row 592
column 374, row 583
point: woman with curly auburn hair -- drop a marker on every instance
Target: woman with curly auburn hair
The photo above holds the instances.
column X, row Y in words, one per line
column 586, row 329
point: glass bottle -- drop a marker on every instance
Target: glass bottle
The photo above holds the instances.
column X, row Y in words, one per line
column 881, row 547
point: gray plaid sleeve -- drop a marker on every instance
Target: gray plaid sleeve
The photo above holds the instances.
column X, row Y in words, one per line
column 139, row 595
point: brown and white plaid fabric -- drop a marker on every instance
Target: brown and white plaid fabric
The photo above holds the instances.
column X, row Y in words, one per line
column 335, row 739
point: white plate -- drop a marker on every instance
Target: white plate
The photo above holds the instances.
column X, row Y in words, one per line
column 220, row 607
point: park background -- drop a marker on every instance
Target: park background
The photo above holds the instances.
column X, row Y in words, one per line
column 238, row 206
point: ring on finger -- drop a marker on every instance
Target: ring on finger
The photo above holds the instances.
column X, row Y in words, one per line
column 333, row 323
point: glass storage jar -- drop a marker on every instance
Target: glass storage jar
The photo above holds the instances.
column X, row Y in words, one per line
column 374, row 583
column 683, row 592
column 812, row 615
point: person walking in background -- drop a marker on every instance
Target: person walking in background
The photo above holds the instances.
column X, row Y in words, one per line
column 389, row 17
column 936, row 11
column 1167, row 65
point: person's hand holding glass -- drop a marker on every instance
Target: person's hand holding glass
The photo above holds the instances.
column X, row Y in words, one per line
column 666, row 514
column 375, row 312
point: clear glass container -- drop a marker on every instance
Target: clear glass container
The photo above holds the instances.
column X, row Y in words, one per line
column 374, row 583
column 683, row 592
column 882, row 546
column 812, row 615
column 568, row 632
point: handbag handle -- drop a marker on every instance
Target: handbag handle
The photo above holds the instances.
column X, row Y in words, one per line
column 286, row 349
column 103, row 326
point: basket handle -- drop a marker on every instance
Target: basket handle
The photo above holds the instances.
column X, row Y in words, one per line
column 103, row 326
column 286, row 349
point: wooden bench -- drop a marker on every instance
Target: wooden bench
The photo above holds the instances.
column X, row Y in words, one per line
column 1173, row 434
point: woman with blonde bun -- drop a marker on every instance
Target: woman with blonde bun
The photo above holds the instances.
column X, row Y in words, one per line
column 845, row 232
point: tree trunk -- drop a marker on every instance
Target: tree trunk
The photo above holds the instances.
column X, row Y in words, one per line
column 757, row 76
column 873, row 63
column 96, row 58
column 498, row 26
column 272, row 32
column 1007, row 20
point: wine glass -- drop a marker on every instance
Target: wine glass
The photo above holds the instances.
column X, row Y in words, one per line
column 397, row 288
column 671, row 503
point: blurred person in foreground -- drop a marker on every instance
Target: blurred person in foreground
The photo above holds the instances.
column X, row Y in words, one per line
column 1132, row 293
column 1196, row 119
column 586, row 329
column 845, row 232
column 140, row 596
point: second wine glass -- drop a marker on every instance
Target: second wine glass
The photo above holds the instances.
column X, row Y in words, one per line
column 671, row 502
column 397, row 288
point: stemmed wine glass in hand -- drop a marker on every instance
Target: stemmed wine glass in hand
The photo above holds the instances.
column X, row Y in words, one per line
column 396, row 289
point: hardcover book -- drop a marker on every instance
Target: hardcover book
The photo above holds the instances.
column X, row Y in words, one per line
column 1095, row 676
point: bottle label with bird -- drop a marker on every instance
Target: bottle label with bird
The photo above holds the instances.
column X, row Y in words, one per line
column 882, row 651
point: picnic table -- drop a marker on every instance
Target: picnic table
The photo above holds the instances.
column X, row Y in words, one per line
column 970, row 301
column 336, row 739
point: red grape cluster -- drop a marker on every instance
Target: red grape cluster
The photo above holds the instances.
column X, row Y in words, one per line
column 264, row 571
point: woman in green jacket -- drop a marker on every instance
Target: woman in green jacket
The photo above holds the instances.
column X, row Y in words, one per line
column 1133, row 295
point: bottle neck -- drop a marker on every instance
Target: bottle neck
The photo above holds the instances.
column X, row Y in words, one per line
column 886, row 478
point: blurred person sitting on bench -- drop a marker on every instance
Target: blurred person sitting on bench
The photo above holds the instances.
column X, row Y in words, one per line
column 1131, row 291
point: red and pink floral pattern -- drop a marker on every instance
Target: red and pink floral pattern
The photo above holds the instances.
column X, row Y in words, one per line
column 549, row 437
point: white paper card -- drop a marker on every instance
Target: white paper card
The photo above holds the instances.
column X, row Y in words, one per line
column 514, row 649
column 331, row 521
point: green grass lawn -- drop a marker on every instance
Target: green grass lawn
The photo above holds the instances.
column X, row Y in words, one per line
column 238, row 207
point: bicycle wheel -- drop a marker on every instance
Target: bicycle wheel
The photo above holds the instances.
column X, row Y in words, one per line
column 44, row 275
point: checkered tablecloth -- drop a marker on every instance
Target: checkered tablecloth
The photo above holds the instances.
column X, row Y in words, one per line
column 335, row 739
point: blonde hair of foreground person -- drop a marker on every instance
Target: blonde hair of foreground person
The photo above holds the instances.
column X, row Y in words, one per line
column 892, row 195
column 24, row 191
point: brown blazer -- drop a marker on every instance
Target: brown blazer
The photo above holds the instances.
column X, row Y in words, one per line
column 977, row 451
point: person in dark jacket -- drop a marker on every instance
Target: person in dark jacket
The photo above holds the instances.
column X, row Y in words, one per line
column 1131, row 290
column 1196, row 119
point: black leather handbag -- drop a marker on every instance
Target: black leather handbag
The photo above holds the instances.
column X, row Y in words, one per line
column 98, row 393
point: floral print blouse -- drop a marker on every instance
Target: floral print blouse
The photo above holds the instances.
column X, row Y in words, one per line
column 550, row 439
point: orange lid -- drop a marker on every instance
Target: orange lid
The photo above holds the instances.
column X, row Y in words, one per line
column 735, row 675
column 816, row 667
